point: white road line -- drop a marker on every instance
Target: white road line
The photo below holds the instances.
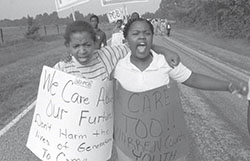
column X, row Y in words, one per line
column 15, row 120
column 22, row 114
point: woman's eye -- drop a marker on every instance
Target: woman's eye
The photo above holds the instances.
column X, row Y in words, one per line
column 75, row 46
column 135, row 33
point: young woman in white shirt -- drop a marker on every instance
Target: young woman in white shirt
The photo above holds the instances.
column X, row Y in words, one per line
column 142, row 69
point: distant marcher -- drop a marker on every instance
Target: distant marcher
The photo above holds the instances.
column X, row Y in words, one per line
column 101, row 39
column 163, row 27
column 117, row 34
column 157, row 26
column 135, row 15
column 248, row 110
column 168, row 29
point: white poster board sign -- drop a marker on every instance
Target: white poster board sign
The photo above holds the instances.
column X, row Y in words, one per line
column 65, row 4
column 114, row 2
column 117, row 14
column 73, row 118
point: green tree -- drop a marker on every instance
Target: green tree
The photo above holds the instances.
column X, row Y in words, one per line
column 32, row 31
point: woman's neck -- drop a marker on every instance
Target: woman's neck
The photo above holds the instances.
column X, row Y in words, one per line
column 141, row 64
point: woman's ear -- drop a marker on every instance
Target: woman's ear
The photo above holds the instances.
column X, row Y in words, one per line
column 68, row 50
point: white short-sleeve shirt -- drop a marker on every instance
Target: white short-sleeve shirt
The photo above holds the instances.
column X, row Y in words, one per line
column 156, row 75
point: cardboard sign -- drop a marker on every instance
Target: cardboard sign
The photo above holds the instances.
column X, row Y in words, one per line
column 73, row 118
column 117, row 14
column 114, row 2
column 150, row 125
column 65, row 4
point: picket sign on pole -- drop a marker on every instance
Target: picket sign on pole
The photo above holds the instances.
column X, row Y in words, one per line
column 73, row 14
column 66, row 4
column 115, row 15
column 125, row 14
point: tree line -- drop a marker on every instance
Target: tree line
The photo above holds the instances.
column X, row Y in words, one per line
column 49, row 19
column 228, row 18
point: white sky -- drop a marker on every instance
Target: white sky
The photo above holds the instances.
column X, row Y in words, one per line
column 16, row 9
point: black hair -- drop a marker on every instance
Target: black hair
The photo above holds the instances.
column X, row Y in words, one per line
column 131, row 21
column 120, row 20
column 78, row 26
column 94, row 16
column 135, row 15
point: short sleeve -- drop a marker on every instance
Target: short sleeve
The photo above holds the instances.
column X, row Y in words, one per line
column 59, row 66
column 110, row 55
column 180, row 73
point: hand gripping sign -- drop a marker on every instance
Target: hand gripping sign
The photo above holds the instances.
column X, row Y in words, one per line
column 114, row 2
column 65, row 4
column 150, row 125
column 73, row 118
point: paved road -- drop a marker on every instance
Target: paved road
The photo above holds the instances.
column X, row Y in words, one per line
column 216, row 120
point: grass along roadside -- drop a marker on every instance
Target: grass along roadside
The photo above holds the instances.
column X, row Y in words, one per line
column 19, row 79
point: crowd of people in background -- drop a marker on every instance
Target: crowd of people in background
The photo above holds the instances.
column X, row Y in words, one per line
column 162, row 27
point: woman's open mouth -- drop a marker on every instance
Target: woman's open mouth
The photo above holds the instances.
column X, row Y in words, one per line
column 141, row 47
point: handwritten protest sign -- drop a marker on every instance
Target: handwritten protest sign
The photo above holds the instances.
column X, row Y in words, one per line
column 73, row 118
column 117, row 14
column 150, row 125
column 65, row 4
column 114, row 2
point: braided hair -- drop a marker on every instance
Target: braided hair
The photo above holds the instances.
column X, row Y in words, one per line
column 131, row 21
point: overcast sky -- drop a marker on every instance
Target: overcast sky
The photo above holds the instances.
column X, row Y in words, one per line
column 16, row 9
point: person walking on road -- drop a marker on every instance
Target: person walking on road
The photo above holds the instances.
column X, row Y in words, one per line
column 248, row 110
column 137, row 73
column 168, row 27
column 101, row 39
column 117, row 37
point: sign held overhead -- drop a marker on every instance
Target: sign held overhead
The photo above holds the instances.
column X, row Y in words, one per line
column 65, row 4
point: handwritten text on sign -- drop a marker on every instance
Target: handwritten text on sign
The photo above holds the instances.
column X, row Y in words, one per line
column 150, row 125
column 73, row 118
column 117, row 14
